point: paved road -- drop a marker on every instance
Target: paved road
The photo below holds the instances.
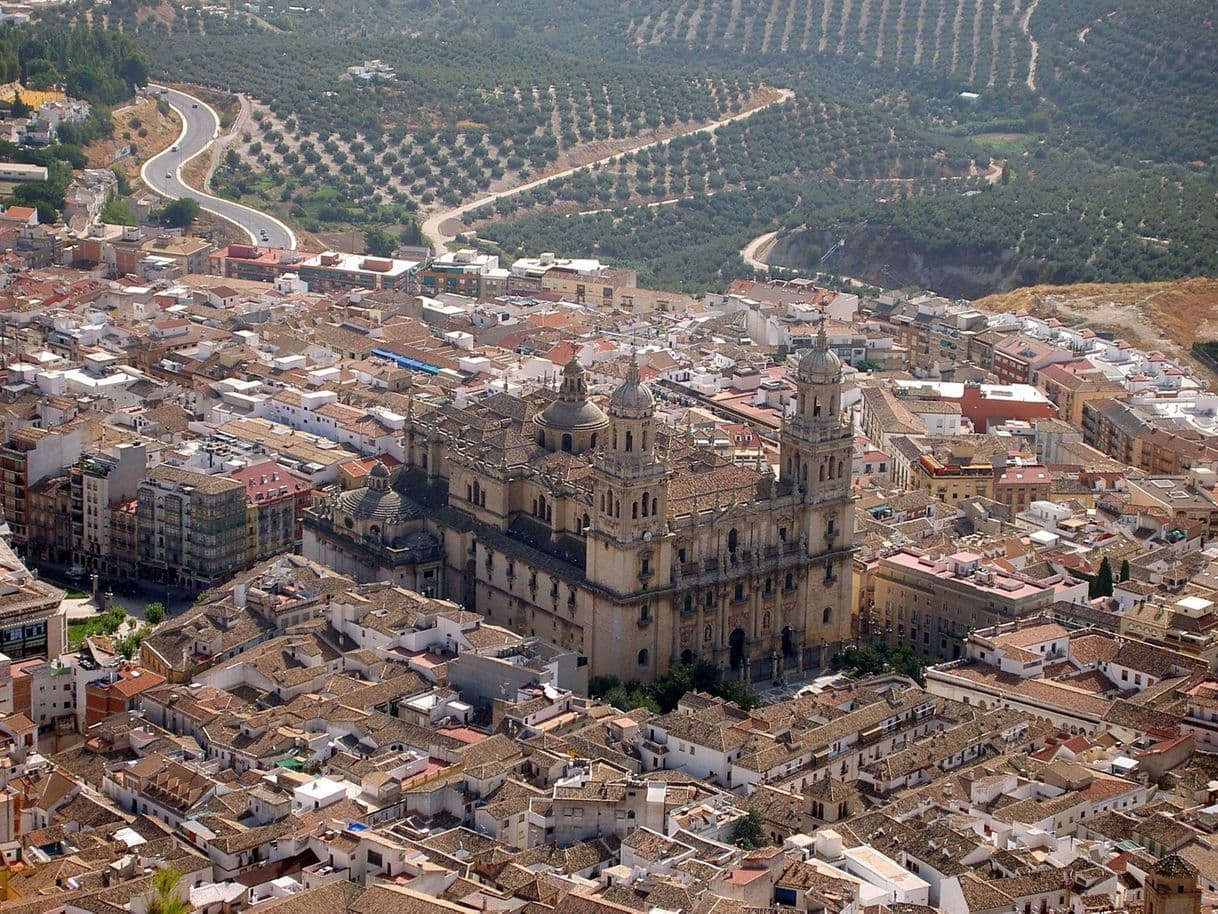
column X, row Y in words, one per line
column 163, row 173
column 433, row 227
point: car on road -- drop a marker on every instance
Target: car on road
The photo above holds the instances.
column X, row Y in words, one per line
column 195, row 105
column 169, row 175
column 173, row 148
column 263, row 235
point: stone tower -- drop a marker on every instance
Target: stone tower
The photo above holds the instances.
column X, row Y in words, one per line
column 1171, row 887
column 628, row 549
column 815, row 465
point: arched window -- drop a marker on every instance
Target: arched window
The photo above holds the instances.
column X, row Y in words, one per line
column 634, row 510
column 645, row 504
column 822, row 472
column 826, row 616
column 593, row 441
column 643, row 657
column 789, row 583
column 566, row 442
column 477, row 493
column 816, row 406
column 733, row 540
column 541, row 506
column 643, row 442
column 654, row 504
column 587, row 522
column 629, row 442
column 687, row 605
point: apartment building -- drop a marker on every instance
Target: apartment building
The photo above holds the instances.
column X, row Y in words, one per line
column 326, row 272
column 933, row 603
column 465, row 272
column 30, row 455
column 276, row 501
column 191, row 527
column 99, row 481
column 1071, row 385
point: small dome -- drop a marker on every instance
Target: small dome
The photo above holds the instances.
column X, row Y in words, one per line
column 633, row 395
column 379, row 471
column 820, row 364
column 572, row 410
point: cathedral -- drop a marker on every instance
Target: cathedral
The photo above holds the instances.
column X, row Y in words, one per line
column 608, row 533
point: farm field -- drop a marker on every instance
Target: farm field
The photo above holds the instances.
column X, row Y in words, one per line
column 1027, row 140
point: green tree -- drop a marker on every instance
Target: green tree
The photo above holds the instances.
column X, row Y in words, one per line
column 118, row 211
column 749, row 831
column 113, row 619
column 181, row 213
column 862, row 662
column 378, row 242
column 154, row 613
column 20, row 108
column 129, row 644
column 124, row 183
column 1124, row 569
column 166, row 893
column 1102, row 585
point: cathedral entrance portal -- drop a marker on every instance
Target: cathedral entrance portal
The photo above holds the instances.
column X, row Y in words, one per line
column 788, row 642
column 736, row 643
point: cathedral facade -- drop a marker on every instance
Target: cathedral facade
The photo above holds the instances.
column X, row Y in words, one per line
column 606, row 532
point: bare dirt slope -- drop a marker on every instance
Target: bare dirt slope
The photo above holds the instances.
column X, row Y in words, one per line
column 1155, row 315
column 160, row 130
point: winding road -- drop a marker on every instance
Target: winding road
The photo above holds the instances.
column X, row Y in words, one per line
column 753, row 252
column 163, row 173
column 434, row 225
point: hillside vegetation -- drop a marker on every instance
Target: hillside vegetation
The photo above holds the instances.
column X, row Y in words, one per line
column 1029, row 140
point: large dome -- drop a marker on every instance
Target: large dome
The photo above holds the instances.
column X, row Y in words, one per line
column 820, row 364
column 633, row 395
column 377, row 501
column 384, row 505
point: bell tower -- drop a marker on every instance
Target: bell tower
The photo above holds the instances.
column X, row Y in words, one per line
column 815, row 466
column 817, row 439
column 1171, row 887
column 630, row 491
